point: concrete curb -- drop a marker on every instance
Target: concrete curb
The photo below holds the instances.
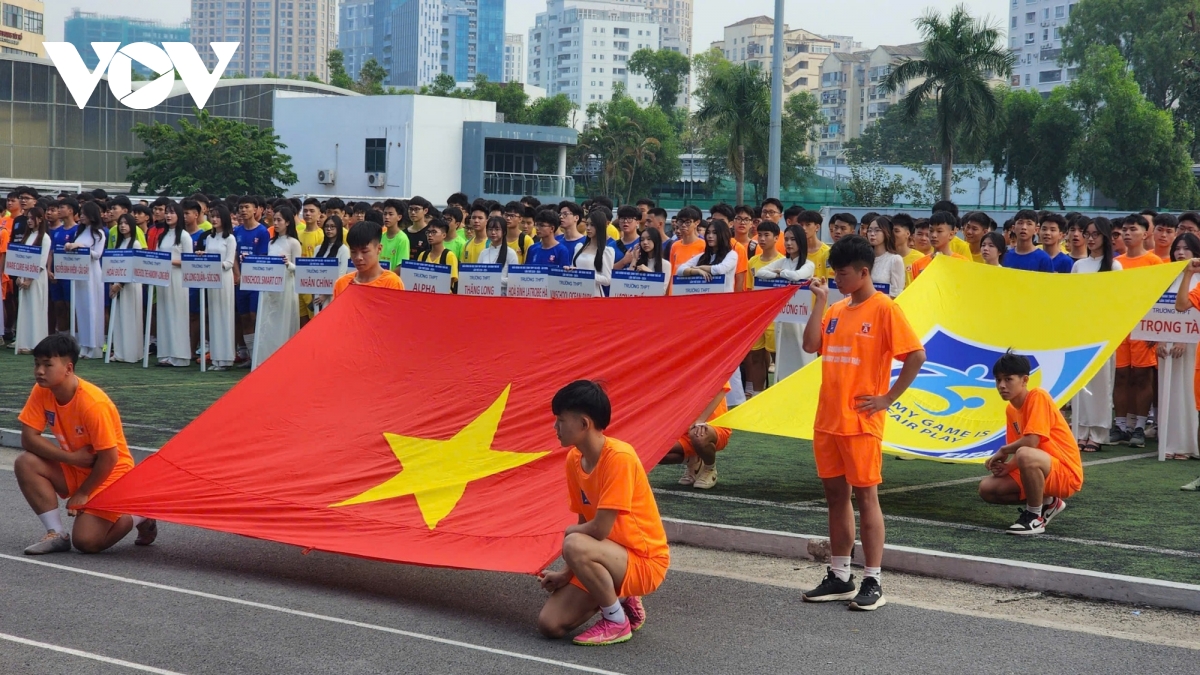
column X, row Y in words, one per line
column 974, row 569
column 11, row 438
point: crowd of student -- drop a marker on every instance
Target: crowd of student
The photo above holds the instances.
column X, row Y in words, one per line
column 740, row 244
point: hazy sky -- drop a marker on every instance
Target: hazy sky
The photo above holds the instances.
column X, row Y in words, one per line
column 871, row 22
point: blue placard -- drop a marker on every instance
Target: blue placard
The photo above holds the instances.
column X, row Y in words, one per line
column 199, row 257
column 478, row 268
column 424, row 266
column 316, row 262
column 630, row 275
column 528, row 269
column 385, row 265
column 155, row 255
column 565, row 273
column 771, row 283
column 112, row 252
column 697, row 280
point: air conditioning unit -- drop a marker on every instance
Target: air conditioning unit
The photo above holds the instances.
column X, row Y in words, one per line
column 326, row 177
column 376, row 180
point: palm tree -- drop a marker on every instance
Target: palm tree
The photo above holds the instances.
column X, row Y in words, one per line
column 960, row 55
column 642, row 151
column 737, row 101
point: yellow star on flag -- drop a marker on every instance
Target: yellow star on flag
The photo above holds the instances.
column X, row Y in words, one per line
column 437, row 472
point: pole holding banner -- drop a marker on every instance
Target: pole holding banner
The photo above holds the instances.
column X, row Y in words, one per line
column 203, row 333
column 257, row 320
column 149, row 321
column 112, row 323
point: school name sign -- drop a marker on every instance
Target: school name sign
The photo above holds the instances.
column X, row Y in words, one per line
column 166, row 61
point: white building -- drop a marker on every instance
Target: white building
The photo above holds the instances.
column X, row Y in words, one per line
column 581, row 48
column 1035, row 38
column 514, row 57
column 752, row 41
column 284, row 37
column 674, row 18
column 398, row 146
column 355, row 32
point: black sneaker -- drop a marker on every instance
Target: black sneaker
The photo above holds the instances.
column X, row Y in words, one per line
column 1115, row 436
column 870, row 596
column 831, row 589
column 1138, row 438
column 1027, row 523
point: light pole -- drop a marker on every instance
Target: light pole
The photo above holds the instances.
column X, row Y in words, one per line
column 776, row 139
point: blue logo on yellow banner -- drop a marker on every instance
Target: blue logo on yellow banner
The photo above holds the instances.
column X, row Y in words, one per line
column 949, row 410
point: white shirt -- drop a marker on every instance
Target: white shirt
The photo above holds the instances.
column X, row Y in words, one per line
column 1090, row 265
column 727, row 267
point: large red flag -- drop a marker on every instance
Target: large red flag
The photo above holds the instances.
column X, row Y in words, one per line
column 416, row 428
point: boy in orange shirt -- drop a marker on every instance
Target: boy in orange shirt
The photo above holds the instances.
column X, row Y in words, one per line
column 698, row 448
column 88, row 454
column 858, row 338
column 1133, row 388
column 941, row 236
column 366, row 243
column 618, row 550
column 1045, row 464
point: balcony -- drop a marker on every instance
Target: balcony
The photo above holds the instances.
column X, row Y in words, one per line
column 535, row 184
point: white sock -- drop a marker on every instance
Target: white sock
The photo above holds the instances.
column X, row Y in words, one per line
column 52, row 521
column 840, row 564
column 138, row 520
column 615, row 613
column 1047, row 501
column 1121, row 424
column 1131, row 421
column 1141, row 422
column 873, row 572
column 1035, row 510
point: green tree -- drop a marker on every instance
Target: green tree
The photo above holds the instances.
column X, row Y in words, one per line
column 1129, row 149
column 959, row 55
column 871, row 185
column 635, row 148
column 370, row 78
column 1035, row 143
column 895, row 139
column 666, row 71
column 338, row 76
column 214, row 155
column 736, row 102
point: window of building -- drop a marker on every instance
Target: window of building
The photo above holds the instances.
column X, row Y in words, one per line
column 1030, row 17
column 1030, row 38
column 1050, row 76
column 1060, row 12
column 376, row 155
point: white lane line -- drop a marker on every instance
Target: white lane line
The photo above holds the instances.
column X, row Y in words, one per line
column 311, row 615
column 976, row 479
column 925, row 521
column 86, row 655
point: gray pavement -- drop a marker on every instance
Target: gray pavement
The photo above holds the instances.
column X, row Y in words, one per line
column 205, row 602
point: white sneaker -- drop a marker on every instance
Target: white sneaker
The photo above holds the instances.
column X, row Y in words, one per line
column 691, row 466
column 706, row 478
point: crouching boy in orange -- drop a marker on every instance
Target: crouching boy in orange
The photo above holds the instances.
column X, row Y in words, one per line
column 1045, row 466
column 698, row 448
column 89, row 455
column 618, row 551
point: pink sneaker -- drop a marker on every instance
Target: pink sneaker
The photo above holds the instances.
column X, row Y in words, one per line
column 635, row 611
column 605, row 632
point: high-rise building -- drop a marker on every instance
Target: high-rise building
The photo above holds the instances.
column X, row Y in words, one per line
column 753, row 41
column 356, row 31
column 416, row 40
column 283, row 37
column 581, row 48
column 514, row 57
column 83, row 28
column 1035, row 39
column 23, row 31
column 851, row 99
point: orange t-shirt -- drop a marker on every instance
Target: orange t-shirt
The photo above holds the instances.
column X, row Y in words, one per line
column 681, row 253
column 1144, row 260
column 388, row 279
column 5, row 282
column 920, row 265
column 1040, row 416
column 743, row 261
column 858, row 345
column 89, row 420
column 618, row 482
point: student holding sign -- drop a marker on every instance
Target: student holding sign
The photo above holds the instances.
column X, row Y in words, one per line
column 32, row 317
column 595, row 253
column 333, row 246
column 889, row 266
column 279, row 316
column 795, row 267
column 757, row 364
column 497, row 252
column 174, row 336
column 1177, row 420
column 718, row 259
column 650, row 254
column 90, row 238
column 222, row 315
column 126, row 315
column 437, row 232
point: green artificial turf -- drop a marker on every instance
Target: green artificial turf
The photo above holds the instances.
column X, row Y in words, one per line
column 1132, row 503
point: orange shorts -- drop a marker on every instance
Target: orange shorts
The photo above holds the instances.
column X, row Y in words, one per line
column 1060, row 483
column 642, row 576
column 723, row 435
column 859, row 458
column 1196, row 387
column 1136, row 354
column 75, row 477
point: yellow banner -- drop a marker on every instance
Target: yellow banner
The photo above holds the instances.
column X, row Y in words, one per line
column 968, row 315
